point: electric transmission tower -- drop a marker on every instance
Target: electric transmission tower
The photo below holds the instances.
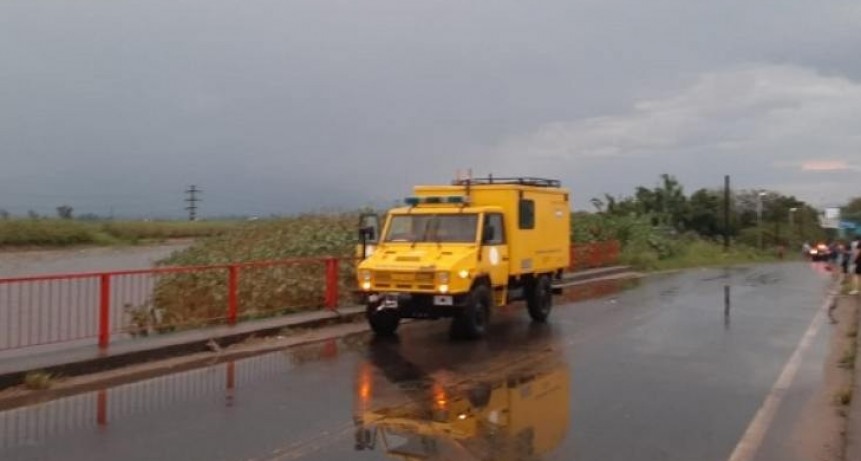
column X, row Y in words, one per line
column 192, row 200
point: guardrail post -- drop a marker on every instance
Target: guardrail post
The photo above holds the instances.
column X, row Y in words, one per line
column 232, row 294
column 331, row 283
column 104, row 310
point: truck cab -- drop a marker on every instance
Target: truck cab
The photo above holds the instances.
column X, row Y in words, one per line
column 458, row 251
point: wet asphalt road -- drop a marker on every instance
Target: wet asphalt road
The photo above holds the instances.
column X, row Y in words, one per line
column 666, row 370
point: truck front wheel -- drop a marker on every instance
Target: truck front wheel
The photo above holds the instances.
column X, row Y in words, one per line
column 471, row 323
column 540, row 299
column 384, row 322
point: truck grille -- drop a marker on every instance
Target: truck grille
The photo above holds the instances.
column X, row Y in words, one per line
column 405, row 280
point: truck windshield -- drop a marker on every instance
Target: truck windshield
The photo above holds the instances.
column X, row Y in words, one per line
column 452, row 228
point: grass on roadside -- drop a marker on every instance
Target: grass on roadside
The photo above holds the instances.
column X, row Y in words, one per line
column 843, row 397
column 693, row 253
column 38, row 380
column 848, row 359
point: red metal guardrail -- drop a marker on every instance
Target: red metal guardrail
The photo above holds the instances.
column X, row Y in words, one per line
column 596, row 254
column 50, row 309
column 100, row 307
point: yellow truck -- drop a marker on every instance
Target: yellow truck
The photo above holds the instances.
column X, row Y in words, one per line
column 460, row 250
column 510, row 410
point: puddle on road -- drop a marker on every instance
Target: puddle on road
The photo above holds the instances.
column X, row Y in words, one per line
column 35, row 422
column 598, row 289
column 516, row 407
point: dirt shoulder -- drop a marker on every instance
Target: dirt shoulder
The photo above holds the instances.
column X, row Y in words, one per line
column 852, row 392
column 822, row 432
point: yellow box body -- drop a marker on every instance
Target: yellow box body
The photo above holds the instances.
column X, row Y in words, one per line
column 543, row 249
column 452, row 268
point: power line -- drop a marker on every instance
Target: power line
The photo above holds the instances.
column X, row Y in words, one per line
column 192, row 200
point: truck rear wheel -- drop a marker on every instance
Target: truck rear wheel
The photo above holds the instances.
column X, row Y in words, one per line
column 471, row 323
column 384, row 322
column 540, row 299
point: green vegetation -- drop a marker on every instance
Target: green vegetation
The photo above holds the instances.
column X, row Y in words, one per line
column 186, row 300
column 852, row 210
column 843, row 397
column 663, row 228
column 65, row 232
column 659, row 228
column 38, row 380
column 848, row 359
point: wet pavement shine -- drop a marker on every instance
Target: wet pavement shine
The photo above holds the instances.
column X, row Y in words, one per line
column 672, row 369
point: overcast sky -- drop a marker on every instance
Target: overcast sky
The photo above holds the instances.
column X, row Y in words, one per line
column 278, row 106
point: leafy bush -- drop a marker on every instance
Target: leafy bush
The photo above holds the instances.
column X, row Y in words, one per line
column 191, row 299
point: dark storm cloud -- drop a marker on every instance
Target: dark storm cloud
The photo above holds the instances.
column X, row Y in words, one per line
column 278, row 106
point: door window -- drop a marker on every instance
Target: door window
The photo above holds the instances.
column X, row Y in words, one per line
column 494, row 232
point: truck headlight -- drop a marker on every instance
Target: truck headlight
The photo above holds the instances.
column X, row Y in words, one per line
column 366, row 279
column 442, row 277
column 464, row 274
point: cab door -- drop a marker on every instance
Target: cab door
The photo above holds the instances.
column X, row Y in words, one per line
column 494, row 249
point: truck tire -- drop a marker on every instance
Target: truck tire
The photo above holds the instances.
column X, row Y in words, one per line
column 471, row 323
column 384, row 322
column 540, row 299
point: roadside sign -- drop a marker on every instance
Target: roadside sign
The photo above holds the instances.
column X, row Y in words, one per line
column 831, row 218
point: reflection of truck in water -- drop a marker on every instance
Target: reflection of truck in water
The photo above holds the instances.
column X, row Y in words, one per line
column 460, row 250
column 515, row 408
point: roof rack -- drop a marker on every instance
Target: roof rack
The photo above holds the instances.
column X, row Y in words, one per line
column 524, row 181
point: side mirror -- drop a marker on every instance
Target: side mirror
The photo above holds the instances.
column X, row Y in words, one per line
column 369, row 227
column 368, row 234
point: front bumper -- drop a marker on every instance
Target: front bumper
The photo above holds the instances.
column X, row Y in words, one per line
column 420, row 305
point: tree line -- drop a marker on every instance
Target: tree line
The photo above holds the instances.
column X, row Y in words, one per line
column 778, row 218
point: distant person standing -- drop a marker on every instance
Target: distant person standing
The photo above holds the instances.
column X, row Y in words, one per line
column 856, row 260
column 833, row 255
column 805, row 250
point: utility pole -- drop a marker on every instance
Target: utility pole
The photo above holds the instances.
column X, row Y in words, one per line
column 759, row 196
column 192, row 200
column 726, row 213
column 791, row 225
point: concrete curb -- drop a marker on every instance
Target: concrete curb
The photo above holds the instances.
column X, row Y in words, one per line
column 853, row 426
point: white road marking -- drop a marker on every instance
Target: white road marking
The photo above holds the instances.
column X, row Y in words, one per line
column 750, row 442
